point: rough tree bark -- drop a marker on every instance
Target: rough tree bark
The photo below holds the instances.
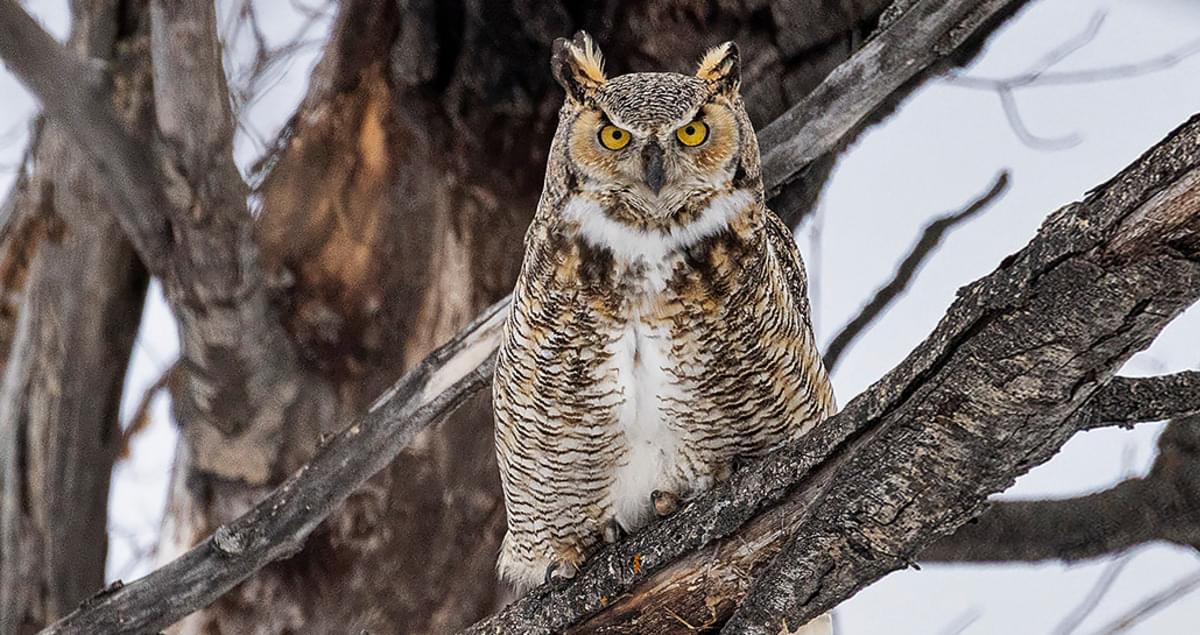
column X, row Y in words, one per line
column 81, row 290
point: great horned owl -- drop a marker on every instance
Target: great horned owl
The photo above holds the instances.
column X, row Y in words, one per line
column 659, row 328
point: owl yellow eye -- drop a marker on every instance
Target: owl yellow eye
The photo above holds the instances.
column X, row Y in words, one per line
column 613, row 137
column 693, row 134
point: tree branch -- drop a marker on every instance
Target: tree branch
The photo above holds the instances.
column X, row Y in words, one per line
column 930, row 238
column 278, row 525
column 1129, row 400
column 1000, row 379
column 1162, row 506
column 922, row 41
column 76, row 95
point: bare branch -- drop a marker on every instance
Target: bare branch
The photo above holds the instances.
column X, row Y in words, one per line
column 917, row 43
column 930, row 238
column 899, row 485
column 1129, row 400
column 75, row 94
column 1039, row 74
column 1152, row 605
column 1163, row 506
column 277, row 527
column 1103, row 584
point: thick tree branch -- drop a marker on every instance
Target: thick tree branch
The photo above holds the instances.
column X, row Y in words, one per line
column 1042, row 334
column 1162, row 506
column 243, row 392
column 930, row 238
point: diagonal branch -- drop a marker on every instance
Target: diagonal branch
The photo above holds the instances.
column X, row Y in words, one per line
column 930, row 238
column 278, row 525
column 922, row 41
column 76, row 95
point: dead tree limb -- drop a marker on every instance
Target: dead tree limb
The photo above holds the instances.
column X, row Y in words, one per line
column 277, row 527
column 1161, row 506
column 924, row 40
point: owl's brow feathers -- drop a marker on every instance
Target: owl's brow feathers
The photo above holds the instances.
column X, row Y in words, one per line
column 651, row 101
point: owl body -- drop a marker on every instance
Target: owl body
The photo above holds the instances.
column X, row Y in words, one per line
column 659, row 328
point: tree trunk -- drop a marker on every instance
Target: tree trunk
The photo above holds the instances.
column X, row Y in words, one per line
column 394, row 210
column 82, row 289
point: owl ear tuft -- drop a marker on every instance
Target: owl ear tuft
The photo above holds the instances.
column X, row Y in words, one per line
column 578, row 65
column 720, row 66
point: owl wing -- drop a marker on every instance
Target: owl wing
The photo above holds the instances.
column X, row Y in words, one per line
column 783, row 244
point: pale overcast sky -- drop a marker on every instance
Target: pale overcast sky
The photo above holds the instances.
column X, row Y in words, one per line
column 942, row 148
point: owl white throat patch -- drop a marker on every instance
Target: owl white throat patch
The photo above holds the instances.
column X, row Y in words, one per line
column 630, row 245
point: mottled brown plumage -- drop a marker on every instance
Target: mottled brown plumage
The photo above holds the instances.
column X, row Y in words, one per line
column 660, row 325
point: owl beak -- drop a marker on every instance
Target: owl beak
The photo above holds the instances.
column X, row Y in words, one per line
column 652, row 164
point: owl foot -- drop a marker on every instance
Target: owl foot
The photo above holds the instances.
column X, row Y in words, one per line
column 561, row 571
column 665, row 503
column 612, row 531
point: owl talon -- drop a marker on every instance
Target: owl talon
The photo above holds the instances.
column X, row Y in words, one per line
column 559, row 571
column 665, row 503
column 612, row 531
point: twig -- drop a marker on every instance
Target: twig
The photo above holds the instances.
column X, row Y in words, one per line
column 1152, row 605
column 1092, row 600
column 1040, row 75
column 141, row 415
column 930, row 238
column 960, row 624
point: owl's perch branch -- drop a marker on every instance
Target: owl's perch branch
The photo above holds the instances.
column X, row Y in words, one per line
column 1038, row 337
column 995, row 390
column 930, row 238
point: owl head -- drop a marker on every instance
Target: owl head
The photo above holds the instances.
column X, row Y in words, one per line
column 649, row 147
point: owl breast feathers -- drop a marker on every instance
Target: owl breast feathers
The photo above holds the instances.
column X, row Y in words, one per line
column 659, row 328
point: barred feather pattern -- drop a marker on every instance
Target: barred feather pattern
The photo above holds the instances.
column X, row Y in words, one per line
column 646, row 353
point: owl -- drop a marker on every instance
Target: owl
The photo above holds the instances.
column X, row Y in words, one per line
column 659, row 329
